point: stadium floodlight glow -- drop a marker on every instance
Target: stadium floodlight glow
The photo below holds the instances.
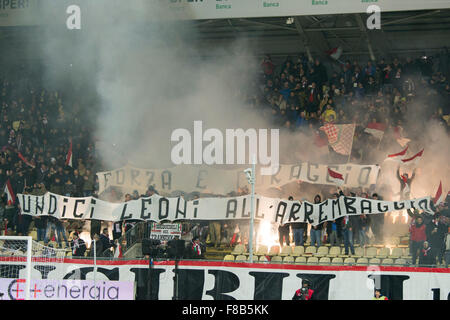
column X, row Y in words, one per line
column 290, row 20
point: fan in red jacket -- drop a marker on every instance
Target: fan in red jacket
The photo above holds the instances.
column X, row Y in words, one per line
column 418, row 235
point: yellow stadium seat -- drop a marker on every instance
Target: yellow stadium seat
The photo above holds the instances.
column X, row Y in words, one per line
column 300, row 260
column 310, row 250
column 262, row 250
column 388, row 262
column 383, row 253
column 288, row 259
column 298, row 251
column 241, row 258
column 349, row 260
column 286, row 251
column 343, row 251
column 359, row 252
column 325, row 261
column 313, row 260
column 362, row 262
column 238, row 249
column 33, row 234
column 406, row 254
column 228, row 257
column 277, row 259
column 321, row 252
column 334, row 252
column 274, row 250
column 374, row 261
column 371, row 252
column 263, row 259
column 396, row 253
column 337, row 260
column 400, row 261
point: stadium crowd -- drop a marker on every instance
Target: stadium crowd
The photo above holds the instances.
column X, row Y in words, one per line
column 37, row 126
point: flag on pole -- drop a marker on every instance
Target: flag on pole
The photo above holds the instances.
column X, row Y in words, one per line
column 28, row 163
column 399, row 154
column 439, row 197
column 335, row 53
column 340, row 136
column 69, row 155
column 414, row 158
column 10, row 196
column 336, row 177
column 376, row 129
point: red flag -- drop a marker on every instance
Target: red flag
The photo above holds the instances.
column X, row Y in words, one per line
column 439, row 197
column 69, row 155
column 336, row 177
column 395, row 155
column 414, row 158
column 28, row 163
column 335, row 53
column 11, row 197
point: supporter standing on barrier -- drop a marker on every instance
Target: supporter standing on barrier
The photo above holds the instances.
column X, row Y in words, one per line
column 283, row 231
column 316, row 231
column 298, row 229
column 61, row 231
column 305, row 292
column 436, row 231
column 417, row 230
column 364, row 224
column 215, row 229
column 377, row 222
column 347, row 234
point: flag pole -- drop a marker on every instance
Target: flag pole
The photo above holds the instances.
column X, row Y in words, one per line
column 252, row 200
column 379, row 142
column 351, row 148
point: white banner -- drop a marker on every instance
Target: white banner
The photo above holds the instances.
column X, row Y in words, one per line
column 157, row 208
column 206, row 179
column 203, row 280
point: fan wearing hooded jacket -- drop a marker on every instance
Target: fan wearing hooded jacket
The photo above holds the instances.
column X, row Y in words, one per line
column 417, row 231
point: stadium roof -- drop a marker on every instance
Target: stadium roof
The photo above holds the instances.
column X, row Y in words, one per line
column 407, row 32
column 424, row 32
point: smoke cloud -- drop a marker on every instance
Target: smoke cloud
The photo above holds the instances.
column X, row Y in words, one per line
column 139, row 74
